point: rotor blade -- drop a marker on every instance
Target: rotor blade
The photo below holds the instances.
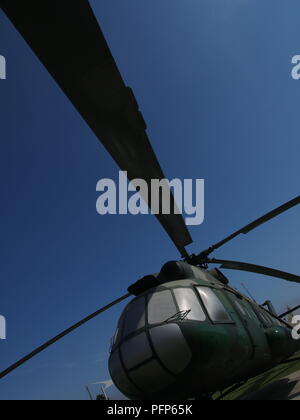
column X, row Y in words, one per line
column 59, row 337
column 67, row 39
column 278, row 318
column 290, row 311
column 267, row 217
column 236, row 265
column 271, row 215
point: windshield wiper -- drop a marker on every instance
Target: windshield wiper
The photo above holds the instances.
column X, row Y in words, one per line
column 179, row 316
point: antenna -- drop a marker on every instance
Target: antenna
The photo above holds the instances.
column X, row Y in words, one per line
column 248, row 292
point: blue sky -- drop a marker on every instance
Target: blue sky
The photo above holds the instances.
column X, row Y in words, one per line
column 213, row 79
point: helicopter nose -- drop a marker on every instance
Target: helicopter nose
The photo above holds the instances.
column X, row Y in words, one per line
column 150, row 361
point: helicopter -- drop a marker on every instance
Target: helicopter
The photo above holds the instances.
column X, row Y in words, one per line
column 185, row 324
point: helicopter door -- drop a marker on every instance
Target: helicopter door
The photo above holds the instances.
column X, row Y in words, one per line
column 253, row 327
column 242, row 316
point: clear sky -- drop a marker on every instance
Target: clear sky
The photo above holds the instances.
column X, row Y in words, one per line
column 213, row 79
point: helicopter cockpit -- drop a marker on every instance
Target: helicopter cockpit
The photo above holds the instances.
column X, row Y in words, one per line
column 149, row 349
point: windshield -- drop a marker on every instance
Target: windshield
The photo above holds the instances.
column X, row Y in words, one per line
column 161, row 307
column 165, row 306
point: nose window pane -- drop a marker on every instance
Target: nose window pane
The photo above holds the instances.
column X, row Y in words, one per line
column 188, row 301
column 119, row 376
column 213, row 305
column 151, row 377
column 167, row 338
column 135, row 316
column 161, row 307
column 136, row 350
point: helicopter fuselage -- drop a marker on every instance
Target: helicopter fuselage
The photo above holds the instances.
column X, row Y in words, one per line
column 192, row 337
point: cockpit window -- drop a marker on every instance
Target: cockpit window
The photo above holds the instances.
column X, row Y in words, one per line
column 188, row 301
column 161, row 307
column 134, row 316
column 214, row 306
